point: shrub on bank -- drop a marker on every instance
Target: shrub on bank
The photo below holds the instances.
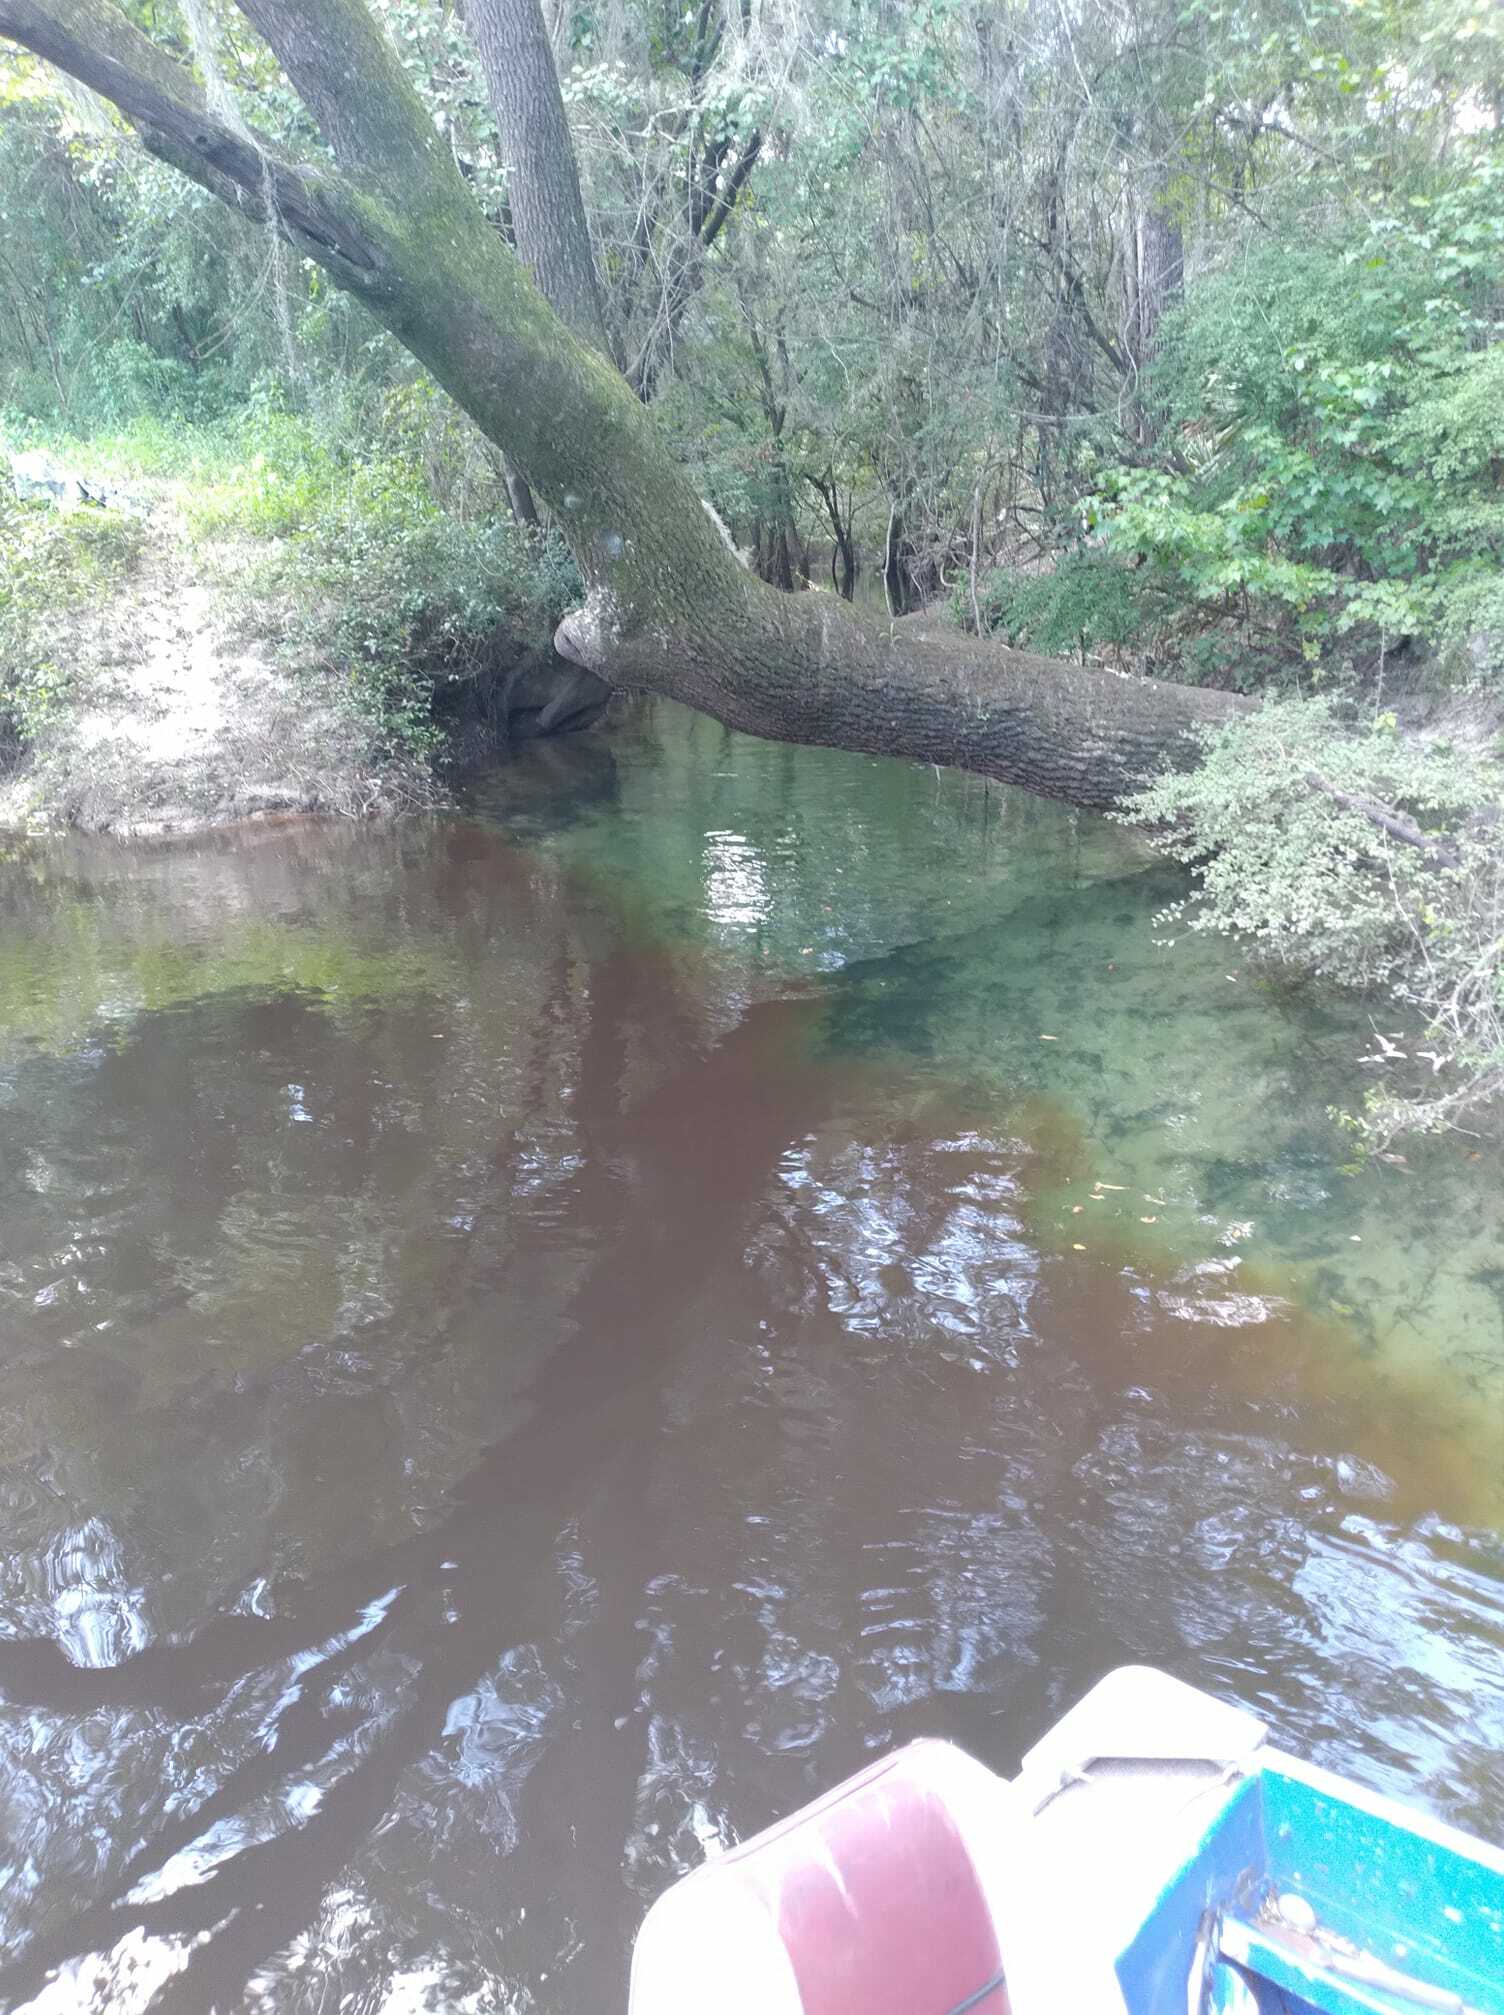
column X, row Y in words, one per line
column 51, row 563
column 1373, row 859
column 371, row 547
column 397, row 600
column 362, row 573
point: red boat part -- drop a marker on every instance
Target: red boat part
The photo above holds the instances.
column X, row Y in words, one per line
column 881, row 1898
column 916, row 1886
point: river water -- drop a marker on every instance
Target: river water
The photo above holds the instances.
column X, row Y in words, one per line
column 535, row 1341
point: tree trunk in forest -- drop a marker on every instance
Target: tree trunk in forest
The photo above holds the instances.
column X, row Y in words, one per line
column 783, row 558
column 679, row 223
column 669, row 606
column 901, row 568
column 543, row 180
column 1156, row 270
column 1161, row 274
column 843, row 551
column 713, row 196
column 845, row 581
column 519, row 496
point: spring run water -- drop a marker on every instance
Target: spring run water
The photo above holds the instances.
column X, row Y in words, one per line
column 535, row 1341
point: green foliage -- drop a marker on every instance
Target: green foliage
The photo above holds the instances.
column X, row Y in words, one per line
column 1336, row 417
column 350, row 558
column 395, row 594
column 51, row 563
column 1289, row 824
column 372, row 548
column 1086, row 601
column 126, row 290
column 904, row 58
column 932, row 313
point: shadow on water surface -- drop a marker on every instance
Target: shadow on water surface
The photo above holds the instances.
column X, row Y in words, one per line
column 525, row 1363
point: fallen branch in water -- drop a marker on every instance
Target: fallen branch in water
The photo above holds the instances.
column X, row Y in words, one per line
column 1387, row 820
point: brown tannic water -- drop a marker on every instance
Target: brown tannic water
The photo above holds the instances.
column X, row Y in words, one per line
column 534, row 1342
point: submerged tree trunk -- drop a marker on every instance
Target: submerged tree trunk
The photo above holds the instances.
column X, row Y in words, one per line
column 669, row 606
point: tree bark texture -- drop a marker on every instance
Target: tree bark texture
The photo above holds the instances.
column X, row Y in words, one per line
column 669, row 607
column 543, row 181
column 1161, row 273
column 1155, row 270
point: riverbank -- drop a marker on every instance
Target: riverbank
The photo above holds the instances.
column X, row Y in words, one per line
column 174, row 711
column 199, row 630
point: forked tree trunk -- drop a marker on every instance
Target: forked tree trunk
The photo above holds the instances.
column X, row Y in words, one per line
column 669, row 606
column 843, row 549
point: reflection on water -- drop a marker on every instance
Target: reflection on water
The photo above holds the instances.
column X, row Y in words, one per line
column 532, row 1343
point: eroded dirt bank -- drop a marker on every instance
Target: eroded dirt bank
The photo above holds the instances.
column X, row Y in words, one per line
column 178, row 714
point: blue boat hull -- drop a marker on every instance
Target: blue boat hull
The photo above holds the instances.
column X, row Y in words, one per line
column 1407, row 1915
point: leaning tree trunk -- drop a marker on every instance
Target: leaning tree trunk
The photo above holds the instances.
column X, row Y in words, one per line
column 668, row 606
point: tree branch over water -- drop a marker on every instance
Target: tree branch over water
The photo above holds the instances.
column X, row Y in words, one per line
column 669, row 608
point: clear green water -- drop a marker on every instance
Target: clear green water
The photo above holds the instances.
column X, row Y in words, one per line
column 534, row 1342
column 999, row 943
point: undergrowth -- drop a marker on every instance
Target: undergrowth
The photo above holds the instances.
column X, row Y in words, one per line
column 1369, row 858
column 51, row 564
column 371, row 551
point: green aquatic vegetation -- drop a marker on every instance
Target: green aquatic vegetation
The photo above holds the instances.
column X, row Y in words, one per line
column 942, row 932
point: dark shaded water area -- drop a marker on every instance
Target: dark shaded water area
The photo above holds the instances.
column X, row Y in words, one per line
column 534, row 1342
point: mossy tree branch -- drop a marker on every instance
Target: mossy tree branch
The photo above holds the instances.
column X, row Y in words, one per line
column 94, row 42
